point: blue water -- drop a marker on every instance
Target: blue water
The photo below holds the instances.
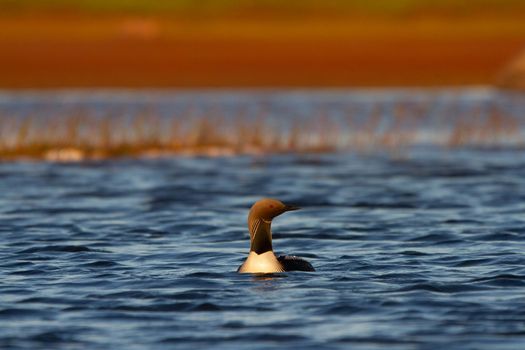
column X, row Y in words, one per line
column 422, row 250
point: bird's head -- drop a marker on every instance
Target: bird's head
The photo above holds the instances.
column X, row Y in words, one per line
column 268, row 208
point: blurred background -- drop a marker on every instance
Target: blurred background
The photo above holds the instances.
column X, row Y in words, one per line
column 259, row 43
column 462, row 63
column 136, row 134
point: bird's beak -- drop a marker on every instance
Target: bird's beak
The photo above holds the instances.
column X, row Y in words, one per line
column 289, row 207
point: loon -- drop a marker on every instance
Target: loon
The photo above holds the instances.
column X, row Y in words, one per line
column 261, row 258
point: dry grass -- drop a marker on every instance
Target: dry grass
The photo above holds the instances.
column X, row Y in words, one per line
column 80, row 137
column 80, row 134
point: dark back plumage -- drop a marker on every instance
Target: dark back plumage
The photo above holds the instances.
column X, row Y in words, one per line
column 294, row 263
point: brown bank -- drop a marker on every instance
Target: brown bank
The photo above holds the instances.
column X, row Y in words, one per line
column 48, row 51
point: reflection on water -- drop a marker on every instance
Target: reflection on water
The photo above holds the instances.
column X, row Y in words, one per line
column 419, row 251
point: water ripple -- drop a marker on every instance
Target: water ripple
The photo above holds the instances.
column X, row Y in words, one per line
column 417, row 253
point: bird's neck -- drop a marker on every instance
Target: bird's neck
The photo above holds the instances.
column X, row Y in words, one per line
column 261, row 237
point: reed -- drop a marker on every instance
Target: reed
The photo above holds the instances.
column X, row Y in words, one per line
column 79, row 133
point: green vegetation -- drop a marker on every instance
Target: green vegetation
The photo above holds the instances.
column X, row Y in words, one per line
column 272, row 7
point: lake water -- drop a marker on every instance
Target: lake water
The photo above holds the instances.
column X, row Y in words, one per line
column 419, row 250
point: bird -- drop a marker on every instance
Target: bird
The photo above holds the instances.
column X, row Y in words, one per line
column 261, row 258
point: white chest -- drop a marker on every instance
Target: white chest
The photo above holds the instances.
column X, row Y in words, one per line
column 263, row 263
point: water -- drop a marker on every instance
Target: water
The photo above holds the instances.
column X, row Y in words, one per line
column 422, row 250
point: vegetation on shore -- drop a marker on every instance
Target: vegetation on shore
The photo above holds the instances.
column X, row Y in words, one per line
column 79, row 134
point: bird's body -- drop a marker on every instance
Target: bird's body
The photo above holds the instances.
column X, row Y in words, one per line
column 262, row 258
